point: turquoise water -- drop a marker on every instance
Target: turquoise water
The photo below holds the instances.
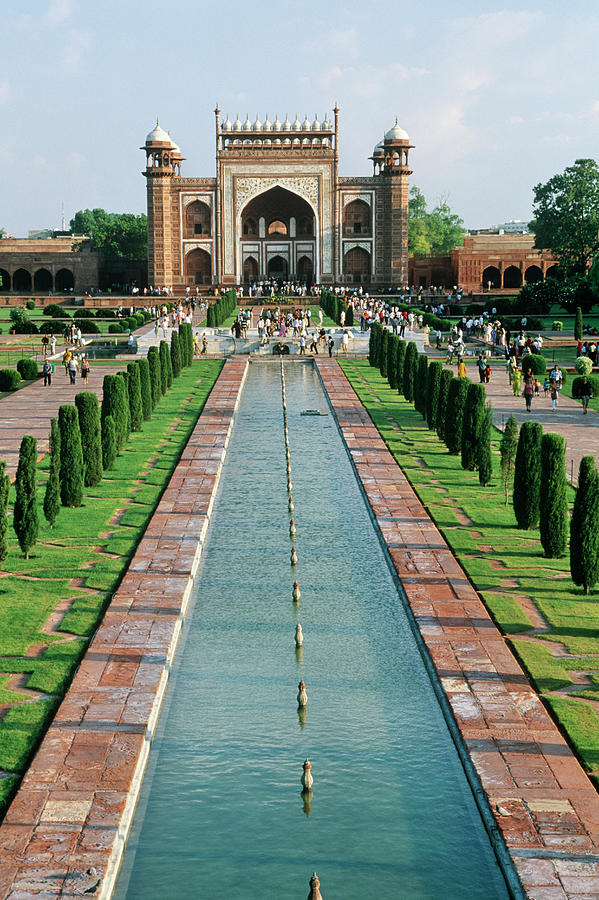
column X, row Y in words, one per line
column 222, row 814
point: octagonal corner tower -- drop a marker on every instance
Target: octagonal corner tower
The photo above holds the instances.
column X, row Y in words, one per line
column 277, row 208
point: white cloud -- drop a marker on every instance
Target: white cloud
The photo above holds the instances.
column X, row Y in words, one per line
column 489, row 29
column 4, row 91
column 76, row 159
column 40, row 163
column 59, row 10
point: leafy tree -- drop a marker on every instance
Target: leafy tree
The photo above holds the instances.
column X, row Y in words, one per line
column 52, row 494
column 433, row 387
column 431, row 233
column 175, row 354
column 71, row 457
column 25, row 520
column 474, row 412
column 135, row 406
column 526, row 495
column 108, row 442
column 164, row 355
column 553, row 520
column 484, row 459
column 4, row 491
column 145, row 387
column 409, row 371
column 121, row 235
column 566, row 216
column 420, row 382
column 91, row 437
column 400, row 356
column 446, row 377
column 507, row 450
column 155, row 376
column 454, row 417
column 578, row 324
column 584, row 527
column 392, row 360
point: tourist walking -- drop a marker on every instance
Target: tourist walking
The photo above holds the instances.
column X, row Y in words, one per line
column 528, row 392
column 516, row 382
column 331, row 345
column 72, row 368
column 47, row 373
column 554, row 395
column 85, row 367
column 586, row 394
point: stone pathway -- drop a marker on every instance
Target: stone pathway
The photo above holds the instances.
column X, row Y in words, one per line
column 29, row 410
column 543, row 807
column 65, row 831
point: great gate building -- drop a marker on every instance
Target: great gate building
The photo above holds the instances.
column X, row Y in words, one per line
column 277, row 208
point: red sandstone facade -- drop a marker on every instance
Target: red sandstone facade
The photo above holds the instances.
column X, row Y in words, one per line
column 47, row 265
column 277, row 208
column 486, row 262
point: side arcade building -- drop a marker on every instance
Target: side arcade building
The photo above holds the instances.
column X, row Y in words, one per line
column 277, row 208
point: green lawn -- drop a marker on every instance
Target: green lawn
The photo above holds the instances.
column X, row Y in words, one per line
column 515, row 568
column 83, row 544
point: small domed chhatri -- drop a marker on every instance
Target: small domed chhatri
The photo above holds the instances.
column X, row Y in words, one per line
column 396, row 133
column 158, row 135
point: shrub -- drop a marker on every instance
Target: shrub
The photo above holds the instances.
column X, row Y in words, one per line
column 578, row 324
column 164, row 356
column 135, row 406
column 105, row 313
column 108, row 442
column 409, row 371
column 49, row 327
column 420, row 382
column 175, row 354
column 454, row 417
column 115, row 328
column 9, row 379
column 445, row 381
column 140, row 319
column 400, row 355
column 87, row 326
column 593, row 380
column 55, row 311
column 25, row 521
column 433, row 387
column 553, row 521
column 30, row 304
column 27, row 369
column 84, row 313
column 18, row 315
column 24, row 328
column 557, row 326
column 526, row 495
column 391, row 361
column 583, row 365
column 474, row 412
column 145, row 387
column 507, row 449
column 91, row 438
column 155, row 377
column 131, row 323
column 4, row 491
column 484, row 459
column 534, row 364
column 584, row 527
column 71, row 457
column 52, row 493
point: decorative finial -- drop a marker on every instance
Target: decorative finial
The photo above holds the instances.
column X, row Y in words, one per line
column 307, row 779
column 314, row 888
column 302, row 700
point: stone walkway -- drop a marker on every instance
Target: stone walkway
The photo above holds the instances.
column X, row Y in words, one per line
column 544, row 808
column 29, row 410
column 65, row 831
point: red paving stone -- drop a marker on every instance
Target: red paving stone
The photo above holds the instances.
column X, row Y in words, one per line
column 74, row 806
column 548, row 809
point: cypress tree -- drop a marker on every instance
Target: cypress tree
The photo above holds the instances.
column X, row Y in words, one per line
column 433, row 388
column 52, row 494
column 71, row 457
column 145, row 387
column 384, row 351
column 135, row 406
column 186, row 334
column 162, row 356
column 392, row 361
column 372, row 355
column 454, row 417
column 113, row 405
column 507, row 449
column 25, row 510
column 400, row 356
column 108, row 442
column 4, row 489
column 155, row 380
column 123, row 392
column 183, row 345
column 526, row 494
column 91, row 438
column 209, row 318
column 409, row 371
column 446, row 377
column 553, row 520
column 175, row 354
column 484, row 460
column 578, row 324
column 584, row 527
column 420, row 383
column 169, row 366
column 474, row 412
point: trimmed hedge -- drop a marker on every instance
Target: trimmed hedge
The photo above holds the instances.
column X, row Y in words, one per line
column 221, row 309
column 474, row 412
column 27, row 369
column 409, row 371
column 446, row 379
column 593, row 380
column 526, row 494
column 433, row 388
column 71, row 457
column 145, row 387
column 91, row 438
column 454, row 417
column 115, row 328
column 534, row 364
column 553, row 521
column 54, row 310
column 9, row 379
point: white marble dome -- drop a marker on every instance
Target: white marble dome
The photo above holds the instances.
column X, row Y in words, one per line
column 276, row 124
column 227, row 126
column 257, row 124
column 315, row 124
column 297, row 125
column 158, row 135
column 306, row 124
column 247, row 125
column 397, row 133
column 286, row 124
column 237, row 126
column 267, row 126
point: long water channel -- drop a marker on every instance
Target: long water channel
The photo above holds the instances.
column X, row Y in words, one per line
column 221, row 813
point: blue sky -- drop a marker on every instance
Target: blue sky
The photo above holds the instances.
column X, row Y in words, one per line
column 496, row 97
